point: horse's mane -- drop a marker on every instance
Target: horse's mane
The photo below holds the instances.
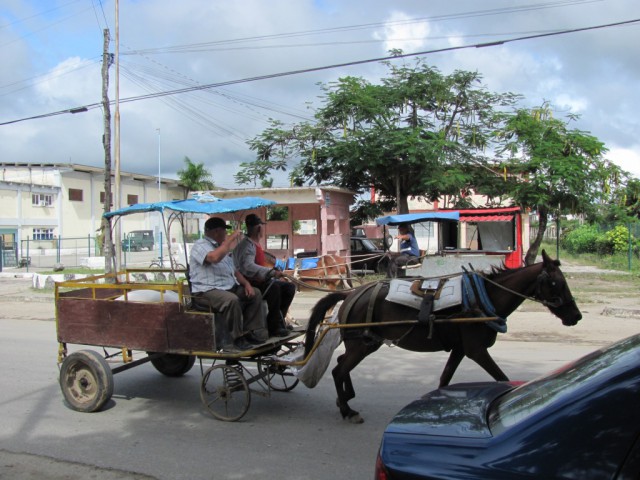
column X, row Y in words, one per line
column 499, row 270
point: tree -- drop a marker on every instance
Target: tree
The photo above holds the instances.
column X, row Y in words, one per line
column 411, row 135
column 551, row 169
column 195, row 177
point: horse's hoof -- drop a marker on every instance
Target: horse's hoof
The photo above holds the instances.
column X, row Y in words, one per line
column 356, row 419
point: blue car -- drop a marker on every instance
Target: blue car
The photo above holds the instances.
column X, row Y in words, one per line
column 579, row 422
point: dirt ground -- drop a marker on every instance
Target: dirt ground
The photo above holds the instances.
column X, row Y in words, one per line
column 609, row 303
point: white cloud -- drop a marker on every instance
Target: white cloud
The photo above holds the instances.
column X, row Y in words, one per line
column 626, row 158
column 398, row 33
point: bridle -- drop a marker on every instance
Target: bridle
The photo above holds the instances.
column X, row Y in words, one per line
column 554, row 302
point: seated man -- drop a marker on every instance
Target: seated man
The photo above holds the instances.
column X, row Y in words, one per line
column 249, row 260
column 215, row 281
column 409, row 250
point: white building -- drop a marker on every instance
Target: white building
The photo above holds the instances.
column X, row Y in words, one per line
column 42, row 202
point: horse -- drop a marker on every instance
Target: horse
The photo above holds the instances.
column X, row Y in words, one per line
column 331, row 272
column 506, row 288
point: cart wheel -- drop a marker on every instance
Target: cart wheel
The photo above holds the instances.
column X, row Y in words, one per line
column 277, row 377
column 173, row 365
column 225, row 392
column 86, row 381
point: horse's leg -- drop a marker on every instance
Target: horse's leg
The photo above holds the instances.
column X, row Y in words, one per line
column 355, row 352
column 477, row 350
column 456, row 356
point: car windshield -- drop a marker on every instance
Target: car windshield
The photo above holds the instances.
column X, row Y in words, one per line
column 368, row 244
column 524, row 401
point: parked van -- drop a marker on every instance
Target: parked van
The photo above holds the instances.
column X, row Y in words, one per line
column 137, row 240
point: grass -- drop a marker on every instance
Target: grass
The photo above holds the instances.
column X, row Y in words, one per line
column 617, row 261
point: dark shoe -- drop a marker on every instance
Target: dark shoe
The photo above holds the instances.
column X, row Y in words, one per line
column 242, row 344
column 252, row 339
column 280, row 332
column 230, row 349
column 289, row 326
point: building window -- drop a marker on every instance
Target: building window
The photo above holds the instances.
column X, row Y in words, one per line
column 43, row 233
column 132, row 199
column 41, row 199
column 75, row 195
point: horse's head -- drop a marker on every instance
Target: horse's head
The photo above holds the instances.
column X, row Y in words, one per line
column 552, row 290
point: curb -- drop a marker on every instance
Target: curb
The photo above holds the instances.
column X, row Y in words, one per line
column 621, row 312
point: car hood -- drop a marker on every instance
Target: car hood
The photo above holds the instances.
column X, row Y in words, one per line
column 455, row 411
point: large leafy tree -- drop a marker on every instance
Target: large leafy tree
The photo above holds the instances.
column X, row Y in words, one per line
column 195, row 177
column 413, row 134
column 549, row 168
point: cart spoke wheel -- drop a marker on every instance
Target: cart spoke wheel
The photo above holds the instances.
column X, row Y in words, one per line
column 225, row 392
column 86, row 381
column 277, row 377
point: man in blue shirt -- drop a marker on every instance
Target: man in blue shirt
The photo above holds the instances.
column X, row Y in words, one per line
column 216, row 282
column 409, row 250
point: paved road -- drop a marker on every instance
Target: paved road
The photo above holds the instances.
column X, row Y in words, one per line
column 156, row 427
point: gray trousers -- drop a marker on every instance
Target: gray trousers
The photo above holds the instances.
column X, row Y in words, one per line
column 239, row 314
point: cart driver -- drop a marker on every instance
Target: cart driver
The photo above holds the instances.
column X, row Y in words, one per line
column 250, row 261
column 215, row 281
column 409, row 250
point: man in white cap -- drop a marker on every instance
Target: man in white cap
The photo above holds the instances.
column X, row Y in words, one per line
column 215, row 281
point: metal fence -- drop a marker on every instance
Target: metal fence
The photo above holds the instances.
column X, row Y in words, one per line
column 627, row 254
column 36, row 254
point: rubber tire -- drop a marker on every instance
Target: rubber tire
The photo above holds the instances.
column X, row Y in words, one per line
column 86, row 381
column 173, row 365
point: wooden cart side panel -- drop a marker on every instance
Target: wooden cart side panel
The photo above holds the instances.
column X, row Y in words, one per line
column 191, row 332
column 138, row 326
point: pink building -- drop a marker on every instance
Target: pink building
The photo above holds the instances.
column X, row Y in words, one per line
column 307, row 221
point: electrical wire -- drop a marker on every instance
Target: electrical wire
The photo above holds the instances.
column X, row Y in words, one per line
column 327, row 67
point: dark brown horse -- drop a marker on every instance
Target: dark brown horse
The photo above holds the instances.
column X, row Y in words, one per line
column 505, row 288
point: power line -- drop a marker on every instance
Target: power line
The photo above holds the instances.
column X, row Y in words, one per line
column 327, row 67
column 207, row 46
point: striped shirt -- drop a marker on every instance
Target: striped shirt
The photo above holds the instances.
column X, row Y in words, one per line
column 205, row 276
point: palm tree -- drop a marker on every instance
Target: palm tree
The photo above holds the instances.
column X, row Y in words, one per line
column 195, row 177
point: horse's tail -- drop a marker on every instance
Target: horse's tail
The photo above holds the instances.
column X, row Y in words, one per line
column 317, row 316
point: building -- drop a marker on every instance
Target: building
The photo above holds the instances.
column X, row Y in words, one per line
column 46, row 203
column 307, row 221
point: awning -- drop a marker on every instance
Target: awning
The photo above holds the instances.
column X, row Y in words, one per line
column 205, row 206
column 408, row 218
column 486, row 218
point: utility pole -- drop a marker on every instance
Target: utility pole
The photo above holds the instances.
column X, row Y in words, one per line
column 116, row 200
column 107, row 241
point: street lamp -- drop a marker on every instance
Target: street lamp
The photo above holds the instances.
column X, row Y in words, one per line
column 159, row 192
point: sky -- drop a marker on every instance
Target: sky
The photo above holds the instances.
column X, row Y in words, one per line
column 51, row 53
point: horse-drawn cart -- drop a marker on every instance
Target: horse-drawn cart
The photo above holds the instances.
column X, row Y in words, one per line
column 146, row 315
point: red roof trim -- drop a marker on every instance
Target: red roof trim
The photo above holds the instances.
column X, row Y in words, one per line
column 486, row 218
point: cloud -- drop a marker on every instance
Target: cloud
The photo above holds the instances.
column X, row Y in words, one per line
column 52, row 62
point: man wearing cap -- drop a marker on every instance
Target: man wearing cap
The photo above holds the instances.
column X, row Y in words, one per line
column 250, row 261
column 215, row 281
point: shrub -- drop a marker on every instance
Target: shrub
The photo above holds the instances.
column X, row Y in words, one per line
column 618, row 239
column 583, row 239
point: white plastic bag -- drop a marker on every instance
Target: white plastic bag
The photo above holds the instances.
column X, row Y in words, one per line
column 311, row 373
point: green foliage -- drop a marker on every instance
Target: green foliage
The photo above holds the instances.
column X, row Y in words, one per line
column 618, row 238
column 583, row 239
column 195, row 177
column 413, row 134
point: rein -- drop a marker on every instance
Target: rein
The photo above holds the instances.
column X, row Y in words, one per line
column 547, row 303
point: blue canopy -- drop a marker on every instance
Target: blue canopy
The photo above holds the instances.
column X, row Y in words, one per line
column 418, row 218
column 205, row 205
